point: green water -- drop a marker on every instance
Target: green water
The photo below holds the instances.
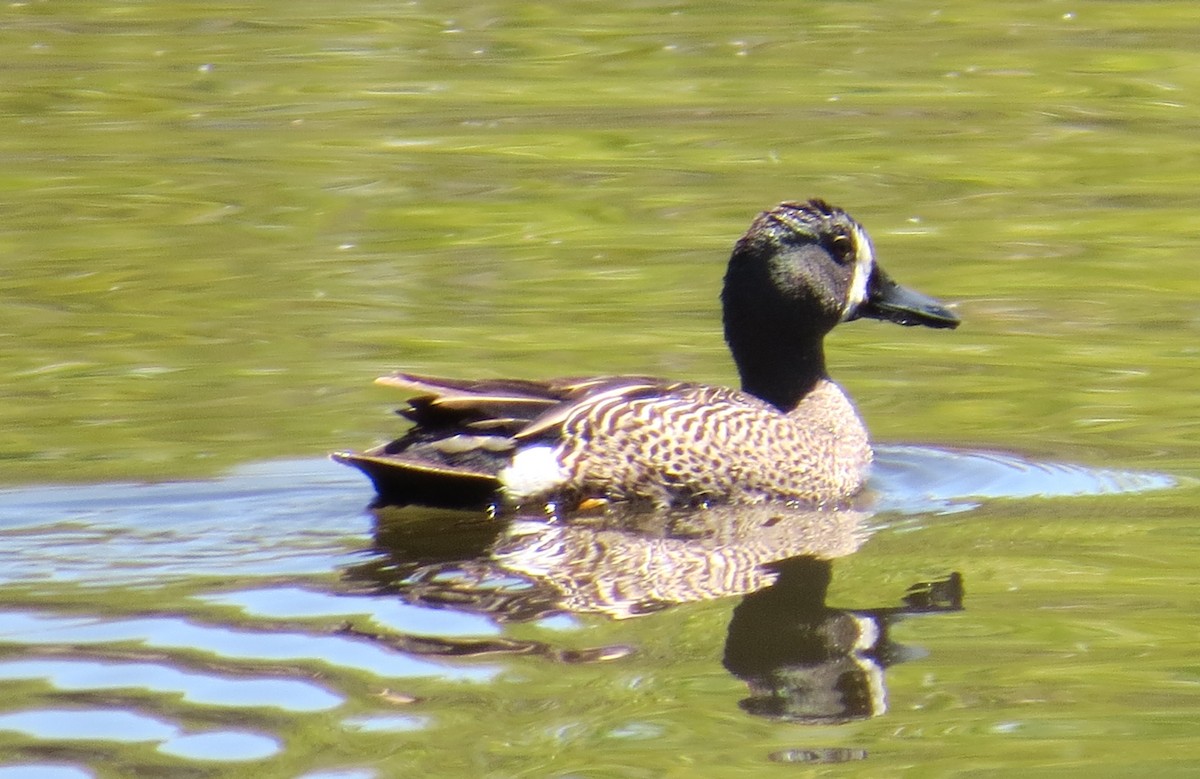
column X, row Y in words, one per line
column 218, row 222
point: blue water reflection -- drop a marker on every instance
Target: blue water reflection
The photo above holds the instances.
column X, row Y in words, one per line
column 199, row 688
column 33, row 629
column 298, row 603
column 147, row 533
column 43, row 771
column 131, row 727
column 221, row 745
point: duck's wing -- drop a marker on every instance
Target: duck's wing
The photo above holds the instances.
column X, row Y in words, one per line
column 499, row 406
column 517, row 407
column 464, row 432
column 585, row 392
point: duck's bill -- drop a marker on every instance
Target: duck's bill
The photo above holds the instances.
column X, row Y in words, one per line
column 891, row 302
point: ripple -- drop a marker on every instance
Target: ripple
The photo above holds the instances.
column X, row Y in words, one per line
column 88, row 725
column 43, row 771
column 387, row 723
column 109, row 534
column 30, row 628
column 224, row 746
column 133, row 533
column 918, row 479
column 299, row 603
column 117, row 725
column 205, row 689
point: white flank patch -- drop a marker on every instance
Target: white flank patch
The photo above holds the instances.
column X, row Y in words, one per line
column 534, row 471
column 864, row 265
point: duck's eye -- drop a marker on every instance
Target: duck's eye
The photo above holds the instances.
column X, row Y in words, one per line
column 841, row 246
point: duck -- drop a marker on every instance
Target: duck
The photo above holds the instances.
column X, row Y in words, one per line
column 788, row 434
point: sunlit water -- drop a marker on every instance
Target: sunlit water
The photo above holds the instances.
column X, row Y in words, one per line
column 296, row 608
column 220, row 222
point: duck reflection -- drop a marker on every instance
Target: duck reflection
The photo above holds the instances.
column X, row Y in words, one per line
column 802, row 660
column 805, row 661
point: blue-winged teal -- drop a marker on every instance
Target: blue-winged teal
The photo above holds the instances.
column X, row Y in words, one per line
column 789, row 434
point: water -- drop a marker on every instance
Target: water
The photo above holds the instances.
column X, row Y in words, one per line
column 221, row 222
column 221, row 620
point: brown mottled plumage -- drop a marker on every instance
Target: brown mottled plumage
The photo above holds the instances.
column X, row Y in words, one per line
column 789, row 434
column 689, row 443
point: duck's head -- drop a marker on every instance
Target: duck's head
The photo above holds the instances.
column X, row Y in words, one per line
column 798, row 271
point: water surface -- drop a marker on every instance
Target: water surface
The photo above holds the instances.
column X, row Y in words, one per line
column 221, row 222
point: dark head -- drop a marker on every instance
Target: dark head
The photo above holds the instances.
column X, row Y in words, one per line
column 798, row 271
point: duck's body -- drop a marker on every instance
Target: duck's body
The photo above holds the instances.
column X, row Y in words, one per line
column 615, row 438
column 789, row 434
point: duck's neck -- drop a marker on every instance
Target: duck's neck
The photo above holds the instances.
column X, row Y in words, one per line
column 776, row 317
column 780, row 373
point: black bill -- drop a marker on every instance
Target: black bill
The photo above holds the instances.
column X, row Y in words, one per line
column 891, row 302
